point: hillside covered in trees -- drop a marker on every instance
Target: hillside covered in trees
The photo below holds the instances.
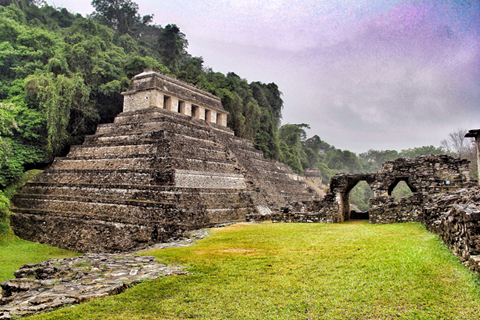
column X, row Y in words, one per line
column 61, row 74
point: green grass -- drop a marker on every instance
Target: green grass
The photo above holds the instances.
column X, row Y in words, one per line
column 301, row 271
column 15, row 252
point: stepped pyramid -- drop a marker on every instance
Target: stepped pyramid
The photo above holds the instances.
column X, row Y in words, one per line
column 167, row 164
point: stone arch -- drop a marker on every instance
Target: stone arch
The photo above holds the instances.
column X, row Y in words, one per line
column 342, row 184
column 396, row 181
column 345, row 197
column 423, row 175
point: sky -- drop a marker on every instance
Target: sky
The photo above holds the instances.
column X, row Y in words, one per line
column 364, row 74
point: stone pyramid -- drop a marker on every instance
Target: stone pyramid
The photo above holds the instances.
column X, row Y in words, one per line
column 167, row 164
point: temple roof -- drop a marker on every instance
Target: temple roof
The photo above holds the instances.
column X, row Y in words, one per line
column 473, row 133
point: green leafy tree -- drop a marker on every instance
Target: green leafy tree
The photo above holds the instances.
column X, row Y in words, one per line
column 374, row 159
column 172, row 45
column 291, row 137
column 121, row 15
column 421, row 151
column 58, row 96
column 269, row 100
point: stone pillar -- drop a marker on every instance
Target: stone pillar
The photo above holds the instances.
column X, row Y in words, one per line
column 380, row 193
column 344, row 206
column 213, row 117
column 156, row 99
column 201, row 111
column 159, row 99
column 477, row 144
column 210, row 115
column 222, row 119
column 174, row 104
column 188, row 108
column 475, row 133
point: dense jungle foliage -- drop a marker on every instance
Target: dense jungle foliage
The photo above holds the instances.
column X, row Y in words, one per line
column 61, row 74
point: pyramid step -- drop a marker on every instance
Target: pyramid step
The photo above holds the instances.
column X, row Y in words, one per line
column 166, row 149
column 162, row 220
column 108, row 177
column 154, row 125
column 181, row 197
column 143, row 163
column 130, row 212
column 175, row 178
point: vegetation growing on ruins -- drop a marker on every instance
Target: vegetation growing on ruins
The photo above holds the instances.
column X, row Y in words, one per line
column 301, row 271
column 15, row 252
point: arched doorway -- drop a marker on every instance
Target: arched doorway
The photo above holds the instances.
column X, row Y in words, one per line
column 345, row 196
column 360, row 196
column 400, row 188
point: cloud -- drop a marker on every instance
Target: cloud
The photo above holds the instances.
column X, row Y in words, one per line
column 405, row 79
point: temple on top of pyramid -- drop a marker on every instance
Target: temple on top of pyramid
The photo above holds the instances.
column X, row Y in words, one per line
column 153, row 89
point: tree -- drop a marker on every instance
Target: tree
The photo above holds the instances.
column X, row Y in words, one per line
column 57, row 97
column 121, row 15
column 345, row 161
column 172, row 45
column 421, row 151
column 268, row 97
column 457, row 143
column 374, row 159
column 462, row 147
column 291, row 137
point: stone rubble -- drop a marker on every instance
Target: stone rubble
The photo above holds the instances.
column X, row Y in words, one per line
column 56, row 283
column 323, row 211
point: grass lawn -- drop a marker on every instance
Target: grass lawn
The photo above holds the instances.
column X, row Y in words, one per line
column 15, row 252
column 301, row 271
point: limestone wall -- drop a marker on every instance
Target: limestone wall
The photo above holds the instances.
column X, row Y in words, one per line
column 455, row 217
column 325, row 210
column 387, row 209
column 426, row 174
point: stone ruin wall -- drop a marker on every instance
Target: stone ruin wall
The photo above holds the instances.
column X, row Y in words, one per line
column 455, row 217
column 425, row 175
column 387, row 209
